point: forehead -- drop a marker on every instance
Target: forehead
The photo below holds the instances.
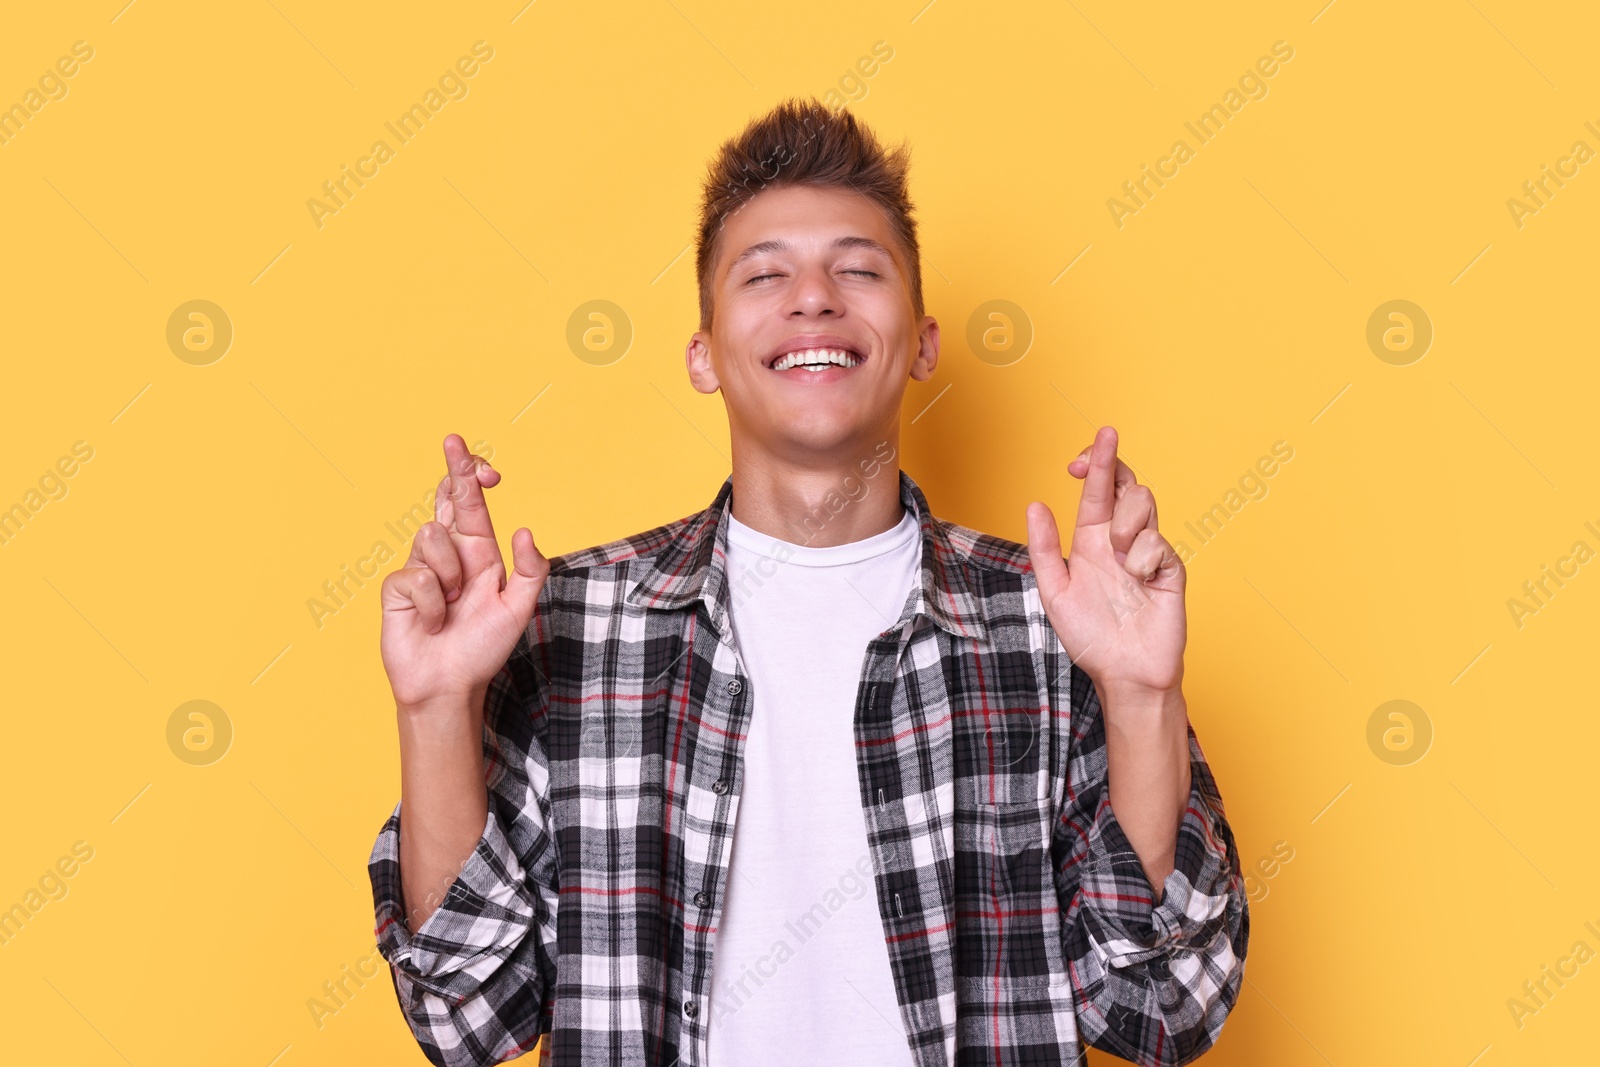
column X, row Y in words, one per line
column 803, row 218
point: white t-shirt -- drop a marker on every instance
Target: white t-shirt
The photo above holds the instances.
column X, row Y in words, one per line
column 800, row 971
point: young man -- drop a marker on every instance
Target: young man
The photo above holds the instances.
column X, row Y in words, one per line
column 811, row 776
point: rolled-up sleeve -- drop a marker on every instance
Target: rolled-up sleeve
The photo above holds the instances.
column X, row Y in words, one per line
column 1152, row 982
column 474, row 979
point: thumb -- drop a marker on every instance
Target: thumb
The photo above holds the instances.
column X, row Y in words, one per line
column 1044, row 551
column 529, row 569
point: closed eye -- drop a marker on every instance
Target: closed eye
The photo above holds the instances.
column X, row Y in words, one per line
column 764, row 277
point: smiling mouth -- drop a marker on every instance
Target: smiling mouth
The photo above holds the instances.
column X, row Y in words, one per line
column 816, row 360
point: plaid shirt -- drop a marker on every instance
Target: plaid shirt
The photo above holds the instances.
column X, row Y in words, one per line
column 1019, row 922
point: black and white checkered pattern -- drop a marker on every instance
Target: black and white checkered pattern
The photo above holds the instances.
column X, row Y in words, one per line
column 1019, row 922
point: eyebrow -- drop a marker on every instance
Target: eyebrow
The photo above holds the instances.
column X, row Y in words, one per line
column 777, row 245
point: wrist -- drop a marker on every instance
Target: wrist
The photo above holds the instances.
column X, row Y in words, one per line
column 443, row 708
column 1142, row 700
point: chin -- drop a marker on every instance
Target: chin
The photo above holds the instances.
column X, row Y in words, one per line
column 819, row 437
column 817, row 428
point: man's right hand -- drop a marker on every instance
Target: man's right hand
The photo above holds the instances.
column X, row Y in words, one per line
column 451, row 619
column 452, row 615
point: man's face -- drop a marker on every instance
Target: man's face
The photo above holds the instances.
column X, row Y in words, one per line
column 807, row 270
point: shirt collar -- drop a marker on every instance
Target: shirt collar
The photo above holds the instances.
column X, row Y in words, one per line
column 693, row 567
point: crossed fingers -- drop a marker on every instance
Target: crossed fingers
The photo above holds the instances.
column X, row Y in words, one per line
column 1112, row 497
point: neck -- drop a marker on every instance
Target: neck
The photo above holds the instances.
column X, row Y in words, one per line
column 819, row 504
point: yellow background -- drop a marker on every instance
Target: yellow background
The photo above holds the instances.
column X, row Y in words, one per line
column 1229, row 313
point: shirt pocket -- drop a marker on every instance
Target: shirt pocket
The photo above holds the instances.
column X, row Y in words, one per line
column 1006, row 910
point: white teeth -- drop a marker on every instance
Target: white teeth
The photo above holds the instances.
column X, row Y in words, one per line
column 816, row 359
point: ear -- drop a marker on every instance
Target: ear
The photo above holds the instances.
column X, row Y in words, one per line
column 697, row 357
column 927, row 356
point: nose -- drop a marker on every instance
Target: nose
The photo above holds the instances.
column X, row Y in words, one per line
column 814, row 293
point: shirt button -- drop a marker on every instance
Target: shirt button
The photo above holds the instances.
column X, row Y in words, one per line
column 734, row 686
column 720, row 786
column 702, row 899
column 691, row 1009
